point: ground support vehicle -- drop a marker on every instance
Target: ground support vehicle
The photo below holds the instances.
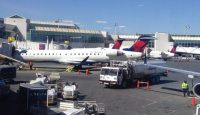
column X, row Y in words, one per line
column 70, row 91
column 33, row 98
column 126, row 73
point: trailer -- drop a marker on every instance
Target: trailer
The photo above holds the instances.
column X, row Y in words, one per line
column 33, row 98
column 126, row 73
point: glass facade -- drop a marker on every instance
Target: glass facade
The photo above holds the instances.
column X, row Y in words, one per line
column 61, row 33
column 151, row 44
column 187, row 40
column 188, row 43
column 61, row 37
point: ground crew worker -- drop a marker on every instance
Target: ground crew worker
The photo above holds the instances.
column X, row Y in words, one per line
column 185, row 88
column 30, row 65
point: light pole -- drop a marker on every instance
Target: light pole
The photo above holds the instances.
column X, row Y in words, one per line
column 187, row 27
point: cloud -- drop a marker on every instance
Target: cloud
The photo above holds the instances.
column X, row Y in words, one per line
column 101, row 21
column 121, row 26
column 140, row 5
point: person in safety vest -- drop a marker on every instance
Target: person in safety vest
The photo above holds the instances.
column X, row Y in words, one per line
column 185, row 88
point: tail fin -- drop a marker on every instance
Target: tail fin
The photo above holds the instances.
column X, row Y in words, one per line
column 173, row 50
column 140, row 44
column 118, row 44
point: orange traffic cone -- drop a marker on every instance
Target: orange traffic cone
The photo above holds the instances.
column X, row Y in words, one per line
column 147, row 87
column 193, row 101
column 138, row 84
column 87, row 72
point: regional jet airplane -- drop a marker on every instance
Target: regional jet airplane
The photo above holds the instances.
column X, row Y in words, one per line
column 77, row 57
column 188, row 51
column 162, row 54
column 136, row 50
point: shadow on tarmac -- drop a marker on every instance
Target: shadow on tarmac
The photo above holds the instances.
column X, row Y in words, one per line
column 165, row 81
column 172, row 89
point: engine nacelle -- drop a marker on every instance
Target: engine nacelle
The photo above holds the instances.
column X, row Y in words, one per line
column 130, row 54
column 196, row 89
column 113, row 52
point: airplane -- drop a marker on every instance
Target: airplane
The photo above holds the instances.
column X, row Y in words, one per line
column 162, row 54
column 188, row 52
column 76, row 57
column 136, row 50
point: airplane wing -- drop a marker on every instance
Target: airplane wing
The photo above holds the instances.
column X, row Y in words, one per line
column 195, row 74
column 4, row 57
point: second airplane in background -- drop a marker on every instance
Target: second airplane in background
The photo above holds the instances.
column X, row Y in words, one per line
column 136, row 50
column 162, row 54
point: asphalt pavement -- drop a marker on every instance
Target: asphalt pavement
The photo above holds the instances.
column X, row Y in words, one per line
column 165, row 98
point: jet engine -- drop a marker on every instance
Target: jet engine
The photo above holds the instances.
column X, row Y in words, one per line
column 131, row 55
column 196, row 89
column 113, row 52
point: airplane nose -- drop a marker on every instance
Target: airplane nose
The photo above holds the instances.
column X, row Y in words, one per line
column 119, row 53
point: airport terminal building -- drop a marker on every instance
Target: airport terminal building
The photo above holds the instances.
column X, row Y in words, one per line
column 61, row 33
column 164, row 41
column 58, row 32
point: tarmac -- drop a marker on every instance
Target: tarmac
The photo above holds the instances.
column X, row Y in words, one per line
column 165, row 98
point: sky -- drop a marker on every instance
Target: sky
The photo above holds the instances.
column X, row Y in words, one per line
column 124, row 16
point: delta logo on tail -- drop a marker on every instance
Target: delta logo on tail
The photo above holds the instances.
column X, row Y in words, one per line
column 140, row 43
column 118, row 44
column 173, row 50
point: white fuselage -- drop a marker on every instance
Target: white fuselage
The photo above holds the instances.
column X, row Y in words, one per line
column 127, row 54
column 68, row 56
column 188, row 50
column 160, row 54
